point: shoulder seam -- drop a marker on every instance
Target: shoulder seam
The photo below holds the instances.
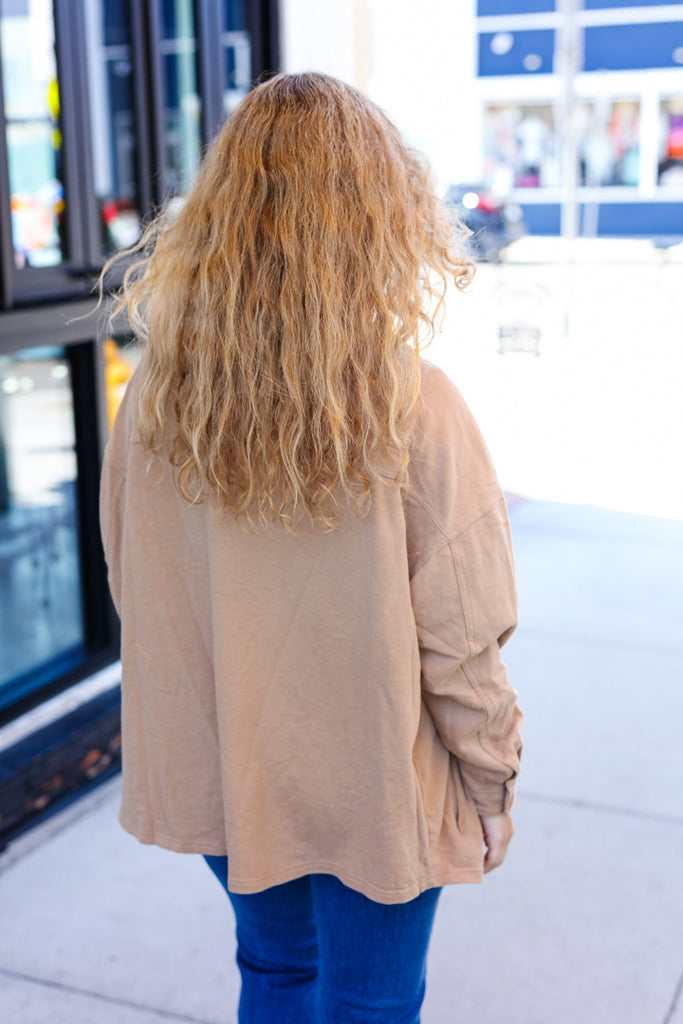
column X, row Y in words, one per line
column 449, row 538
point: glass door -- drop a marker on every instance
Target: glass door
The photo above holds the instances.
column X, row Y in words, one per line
column 41, row 625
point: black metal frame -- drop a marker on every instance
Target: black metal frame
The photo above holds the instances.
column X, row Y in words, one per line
column 209, row 30
column 39, row 306
column 6, row 244
column 263, row 23
column 99, row 624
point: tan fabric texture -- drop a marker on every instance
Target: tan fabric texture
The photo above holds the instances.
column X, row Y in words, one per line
column 319, row 702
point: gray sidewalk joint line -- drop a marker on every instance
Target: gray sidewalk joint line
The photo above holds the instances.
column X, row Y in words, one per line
column 674, row 1001
column 589, row 805
column 73, row 989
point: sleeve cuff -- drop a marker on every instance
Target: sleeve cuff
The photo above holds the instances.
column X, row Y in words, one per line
column 492, row 800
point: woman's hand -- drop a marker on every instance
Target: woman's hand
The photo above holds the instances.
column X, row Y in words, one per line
column 498, row 832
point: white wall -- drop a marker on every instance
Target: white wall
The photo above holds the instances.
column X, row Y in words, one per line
column 416, row 61
column 318, row 35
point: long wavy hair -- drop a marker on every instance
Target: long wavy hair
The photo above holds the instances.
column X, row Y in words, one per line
column 285, row 305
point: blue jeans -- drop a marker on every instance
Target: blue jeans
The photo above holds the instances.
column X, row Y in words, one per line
column 313, row 951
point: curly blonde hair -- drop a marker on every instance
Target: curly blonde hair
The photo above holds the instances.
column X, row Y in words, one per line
column 282, row 305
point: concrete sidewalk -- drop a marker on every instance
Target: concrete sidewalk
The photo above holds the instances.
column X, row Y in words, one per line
column 583, row 924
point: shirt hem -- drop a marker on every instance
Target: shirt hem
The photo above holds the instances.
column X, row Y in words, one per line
column 434, row 879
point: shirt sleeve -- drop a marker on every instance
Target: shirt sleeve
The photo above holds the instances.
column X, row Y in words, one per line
column 464, row 594
column 465, row 605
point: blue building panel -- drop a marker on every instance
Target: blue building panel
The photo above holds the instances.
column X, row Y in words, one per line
column 501, row 8
column 486, row 8
column 542, row 218
column 654, row 220
column 598, row 5
column 615, row 220
column 516, row 53
column 631, row 47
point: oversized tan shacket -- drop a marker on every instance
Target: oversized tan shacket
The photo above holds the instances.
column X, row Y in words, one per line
column 321, row 702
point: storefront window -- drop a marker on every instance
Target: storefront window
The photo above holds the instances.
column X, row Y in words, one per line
column 670, row 169
column 522, row 144
column 521, row 147
column 182, row 124
column 34, row 135
column 609, row 150
column 41, row 627
column 112, row 122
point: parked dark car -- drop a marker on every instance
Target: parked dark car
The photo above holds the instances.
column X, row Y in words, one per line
column 495, row 223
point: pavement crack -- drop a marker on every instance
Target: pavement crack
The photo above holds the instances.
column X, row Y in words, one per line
column 591, row 805
column 112, row 1000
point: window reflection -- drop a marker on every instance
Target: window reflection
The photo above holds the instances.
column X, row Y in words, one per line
column 112, row 122
column 609, row 149
column 236, row 46
column 182, row 125
column 670, row 169
column 522, row 144
column 41, row 626
column 521, row 147
column 34, row 138
column 121, row 357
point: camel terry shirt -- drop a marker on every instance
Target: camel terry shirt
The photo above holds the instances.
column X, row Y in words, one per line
column 320, row 702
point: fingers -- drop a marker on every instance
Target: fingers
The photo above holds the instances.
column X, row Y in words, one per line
column 495, row 855
column 498, row 831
